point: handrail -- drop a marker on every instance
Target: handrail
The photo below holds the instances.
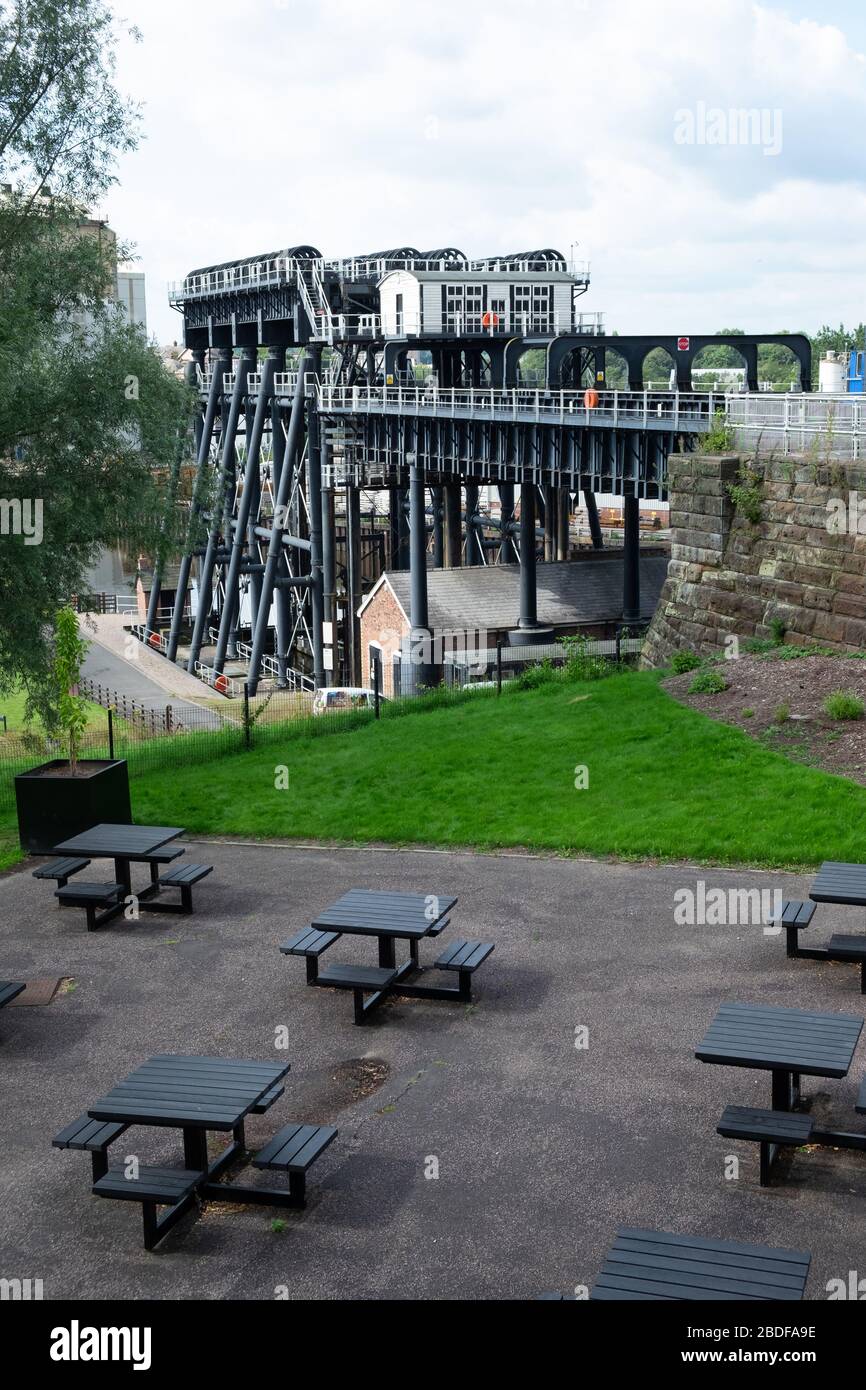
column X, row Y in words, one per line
column 568, row 406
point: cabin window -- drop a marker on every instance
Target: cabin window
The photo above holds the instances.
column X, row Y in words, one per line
column 474, row 300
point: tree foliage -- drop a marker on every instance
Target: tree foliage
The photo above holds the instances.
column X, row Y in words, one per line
column 89, row 417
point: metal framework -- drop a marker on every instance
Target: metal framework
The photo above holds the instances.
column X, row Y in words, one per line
column 282, row 457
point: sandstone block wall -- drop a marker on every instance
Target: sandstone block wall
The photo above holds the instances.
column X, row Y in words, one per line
column 729, row 575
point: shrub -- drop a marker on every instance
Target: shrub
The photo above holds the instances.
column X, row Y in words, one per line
column 748, row 714
column 720, row 436
column 778, row 630
column 843, row 704
column 581, row 664
column 541, row 674
column 685, row 661
column 782, row 713
column 708, row 683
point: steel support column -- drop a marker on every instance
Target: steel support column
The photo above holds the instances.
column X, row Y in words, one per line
column 240, row 538
column 314, row 502
column 631, row 560
column 528, row 578
column 418, row 612
column 507, row 555
column 452, row 519
column 221, row 365
column 293, row 446
column 329, row 577
column 353, row 582
column 221, row 503
column 592, row 514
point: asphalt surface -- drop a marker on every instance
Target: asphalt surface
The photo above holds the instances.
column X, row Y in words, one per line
column 107, row 669
column 542, row 1147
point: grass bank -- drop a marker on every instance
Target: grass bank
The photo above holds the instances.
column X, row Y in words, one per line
column 663, row 781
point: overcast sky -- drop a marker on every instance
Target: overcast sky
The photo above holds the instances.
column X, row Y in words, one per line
column 503, row 125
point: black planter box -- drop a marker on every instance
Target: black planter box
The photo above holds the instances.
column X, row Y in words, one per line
column 52, row 806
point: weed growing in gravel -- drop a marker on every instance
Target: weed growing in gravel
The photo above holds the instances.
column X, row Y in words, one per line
column 708, row 683
column 842, row 704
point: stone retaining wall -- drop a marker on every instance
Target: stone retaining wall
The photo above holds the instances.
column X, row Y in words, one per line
column 730, row 575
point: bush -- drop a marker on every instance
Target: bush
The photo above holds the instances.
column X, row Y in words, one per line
column 534, row 676
column 581, row 664
column 778, row 630
column 782, row 713
column 685, row 661
column 708, row 683
column 843, row 704
column 748, row 714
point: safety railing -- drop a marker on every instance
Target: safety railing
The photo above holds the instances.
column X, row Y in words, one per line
column 545, row 323
column 797, row 422
column 642, row 409
column 149, row 637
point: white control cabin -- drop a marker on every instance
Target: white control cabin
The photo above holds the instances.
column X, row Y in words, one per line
column 481, row 303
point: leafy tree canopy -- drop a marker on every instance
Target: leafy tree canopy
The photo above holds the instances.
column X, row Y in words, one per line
column 89, row 417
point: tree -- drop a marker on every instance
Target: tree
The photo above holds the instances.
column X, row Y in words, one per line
column 71, row 708
column 89, row 417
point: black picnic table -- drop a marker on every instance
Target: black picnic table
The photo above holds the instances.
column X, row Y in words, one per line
column 645, row 1264
column 786, row 1042
column 392, row 917
column 126, row 845
column 837, row 882
column 196, row 1094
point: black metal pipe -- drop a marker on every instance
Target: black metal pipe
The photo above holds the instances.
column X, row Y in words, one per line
column 329, row 577
column 353, row 582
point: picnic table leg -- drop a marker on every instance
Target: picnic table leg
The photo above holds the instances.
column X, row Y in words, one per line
column 387, row 957
column 123, row 874
column 782, row 1090
column 195, row 1149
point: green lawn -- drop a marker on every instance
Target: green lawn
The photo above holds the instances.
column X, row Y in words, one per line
column 664, row 781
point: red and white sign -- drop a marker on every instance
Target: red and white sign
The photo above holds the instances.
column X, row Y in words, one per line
column 682, row 344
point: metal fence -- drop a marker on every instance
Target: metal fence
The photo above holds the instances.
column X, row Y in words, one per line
column 164, row 737
column 834, row 426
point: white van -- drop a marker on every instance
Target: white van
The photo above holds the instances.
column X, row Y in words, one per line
column 343, row 697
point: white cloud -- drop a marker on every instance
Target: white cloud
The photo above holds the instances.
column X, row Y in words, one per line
column 495, row 125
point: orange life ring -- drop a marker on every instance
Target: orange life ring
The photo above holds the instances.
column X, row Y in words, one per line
column 590, row 399
column 154, row 639
column 490, row 320
column 221, row 684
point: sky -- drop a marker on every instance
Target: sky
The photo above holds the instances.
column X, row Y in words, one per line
column 707, row 159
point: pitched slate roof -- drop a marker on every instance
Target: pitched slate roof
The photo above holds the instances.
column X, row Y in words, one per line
column 569, row 593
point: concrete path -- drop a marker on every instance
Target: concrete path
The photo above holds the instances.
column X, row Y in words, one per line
column 541, row 1147
column 116, row 660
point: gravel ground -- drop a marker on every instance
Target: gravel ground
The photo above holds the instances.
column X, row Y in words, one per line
column 781, row 704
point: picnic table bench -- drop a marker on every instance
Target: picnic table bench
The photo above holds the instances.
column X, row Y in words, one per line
column 126, row 845
column 838, row 883
column 389, row 917
column 195, row 1095
column 643, row 1264
column 789, row 1043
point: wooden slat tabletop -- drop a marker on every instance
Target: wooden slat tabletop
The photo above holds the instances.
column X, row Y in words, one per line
column 202, row 1092
column 366, row 912
column 107, row 841
column 772, row 1039
column 840, row 883
column 658, row 1265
